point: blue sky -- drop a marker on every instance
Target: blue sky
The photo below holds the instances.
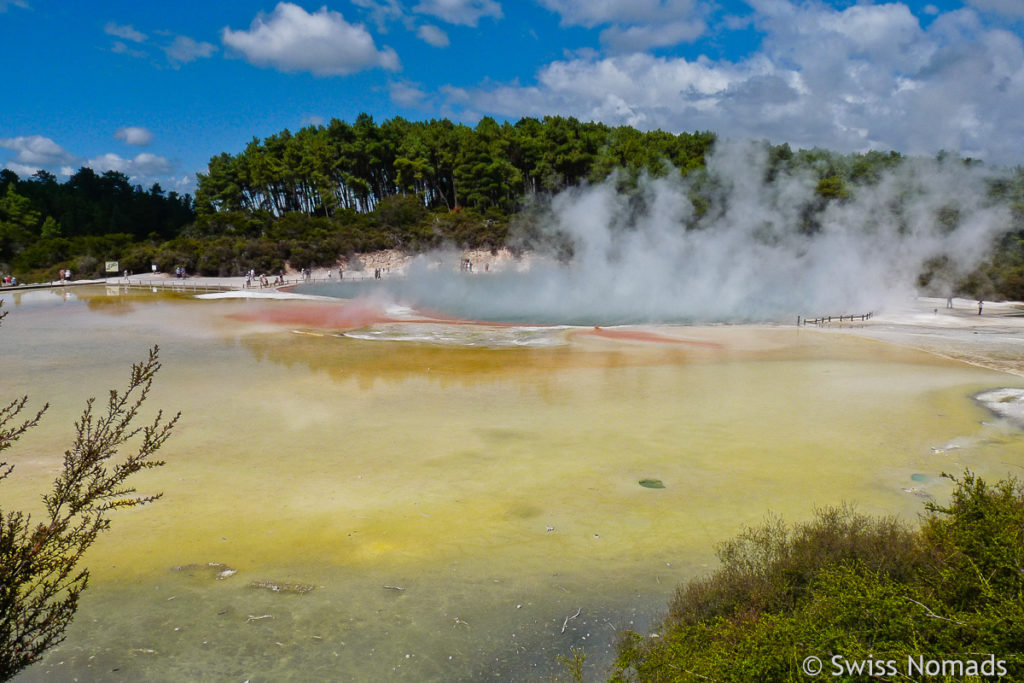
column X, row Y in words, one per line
column 155, row 89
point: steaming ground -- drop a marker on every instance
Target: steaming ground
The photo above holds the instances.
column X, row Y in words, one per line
column 759, row 253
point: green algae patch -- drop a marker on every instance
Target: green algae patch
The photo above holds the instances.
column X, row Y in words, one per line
column 652, row 483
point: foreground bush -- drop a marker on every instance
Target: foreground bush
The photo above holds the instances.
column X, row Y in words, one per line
column 864, row 598
column 41, row 578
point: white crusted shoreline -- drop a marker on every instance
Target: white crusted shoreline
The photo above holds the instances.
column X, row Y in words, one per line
column 994, row 339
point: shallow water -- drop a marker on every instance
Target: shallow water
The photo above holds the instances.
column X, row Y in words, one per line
column 455, row 493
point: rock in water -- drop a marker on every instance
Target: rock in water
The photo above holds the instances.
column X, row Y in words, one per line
column 282, row 586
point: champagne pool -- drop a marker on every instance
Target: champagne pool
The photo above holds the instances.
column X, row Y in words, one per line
column 358, row 498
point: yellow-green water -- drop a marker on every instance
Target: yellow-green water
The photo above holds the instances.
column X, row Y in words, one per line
column 497, row 487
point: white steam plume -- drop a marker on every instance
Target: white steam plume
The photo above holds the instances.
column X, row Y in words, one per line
column 750, row 258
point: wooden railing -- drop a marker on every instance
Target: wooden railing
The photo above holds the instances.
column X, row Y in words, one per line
column 829, row 319
column 199, row 284
column 175, row 285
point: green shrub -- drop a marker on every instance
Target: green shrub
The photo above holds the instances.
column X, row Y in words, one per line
column 852, row 587
column 88, row 267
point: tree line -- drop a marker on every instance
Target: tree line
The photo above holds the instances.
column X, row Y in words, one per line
column 45, row 224
column 325, row 169
column 326, row 191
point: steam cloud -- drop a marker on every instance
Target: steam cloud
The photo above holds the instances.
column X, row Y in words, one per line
column 749, row 257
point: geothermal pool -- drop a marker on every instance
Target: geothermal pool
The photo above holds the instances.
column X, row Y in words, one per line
column 454, row 493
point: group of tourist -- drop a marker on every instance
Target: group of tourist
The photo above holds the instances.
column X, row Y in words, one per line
column 8, row 281
column 262, row 279
column 378, row 273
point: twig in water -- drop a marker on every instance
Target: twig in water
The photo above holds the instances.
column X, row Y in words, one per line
column 394, row 588
column 265, row 616
column 460, row 621
column 566, row 622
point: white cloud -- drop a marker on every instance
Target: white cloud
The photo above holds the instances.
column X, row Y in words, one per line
column 638, row 90
column 124, row 31
column 121, row 48
column 134, row 135
column 290, row 39
column 382, row 12
column 146, row 164
column 433, row 35
column 591, row 13
column 4, row 4
column 108, row 162
column 186, row 184
column 640, row 38
column 183, row 50
column 1011, row 8
column 867, row 77
column 406, row 94
column 635, row 25
column 37, row 151
column 143, row 166
column 460, row 12
column 23, row 170
column 887, row 35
